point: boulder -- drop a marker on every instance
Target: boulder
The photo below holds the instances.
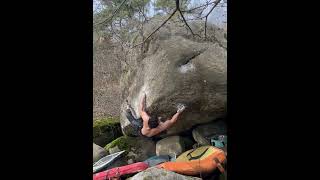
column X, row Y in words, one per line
column 98, row 152
column 155, row 173
column 130, row 161
column 105, row 130
column 216, row 175
column 201, row 132
column 177, row 68
column 137, row 148
column 172, row 146
column 114, row 150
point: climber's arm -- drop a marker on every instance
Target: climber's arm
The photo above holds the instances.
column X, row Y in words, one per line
column 164, row 125
column 168, row 123
column 142, row 111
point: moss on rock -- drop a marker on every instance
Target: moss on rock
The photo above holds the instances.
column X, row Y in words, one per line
column 105, row 130
column 137, row 148
column 148, row 178
column 163, row 173
column 105, row 121
column 101, row 125
column 123, row 143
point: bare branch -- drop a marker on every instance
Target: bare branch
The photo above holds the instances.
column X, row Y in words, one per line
column 177, row 4
column 190, row 10
column 116, row 34
column 197, row 18
column 142, row 12
column 205, row 28
column 200, row 18
column 205, row 23
column 203, row 9
column 97, row 8
column 157, row 28
column 184, row 20
column 216, row 3
column 113, row 14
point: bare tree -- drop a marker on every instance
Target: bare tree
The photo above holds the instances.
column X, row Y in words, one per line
column 205, row 25
column 113, row 14
column 184, row 20
column 139, row 28
column 177, row 9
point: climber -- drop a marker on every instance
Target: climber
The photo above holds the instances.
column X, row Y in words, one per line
column 150, row 125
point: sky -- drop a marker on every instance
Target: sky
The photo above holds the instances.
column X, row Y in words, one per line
column 218, row 16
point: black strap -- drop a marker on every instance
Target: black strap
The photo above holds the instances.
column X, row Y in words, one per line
column 196, row 157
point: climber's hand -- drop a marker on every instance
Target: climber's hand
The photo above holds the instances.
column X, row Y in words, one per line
column 180, row 108
column 127, row 104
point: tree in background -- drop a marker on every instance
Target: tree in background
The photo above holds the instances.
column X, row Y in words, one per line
column 167, row 6
column 118, row 22
column 120, row 17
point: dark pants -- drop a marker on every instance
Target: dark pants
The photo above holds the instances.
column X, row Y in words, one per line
column 136, row 124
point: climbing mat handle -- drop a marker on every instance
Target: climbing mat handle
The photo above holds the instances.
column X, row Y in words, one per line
column 219, row 165
column 196, row 157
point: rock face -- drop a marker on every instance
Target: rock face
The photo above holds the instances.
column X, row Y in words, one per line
column 177, row 68
column 161, row 174
column 114, row 150
column 201, row 132
column 173, row 145
column 188, row 142
column 98, row 152
column 138, row 148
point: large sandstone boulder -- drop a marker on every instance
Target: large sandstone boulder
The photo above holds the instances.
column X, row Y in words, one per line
column 177, row 68
column 161, row 174
column 98, row 152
